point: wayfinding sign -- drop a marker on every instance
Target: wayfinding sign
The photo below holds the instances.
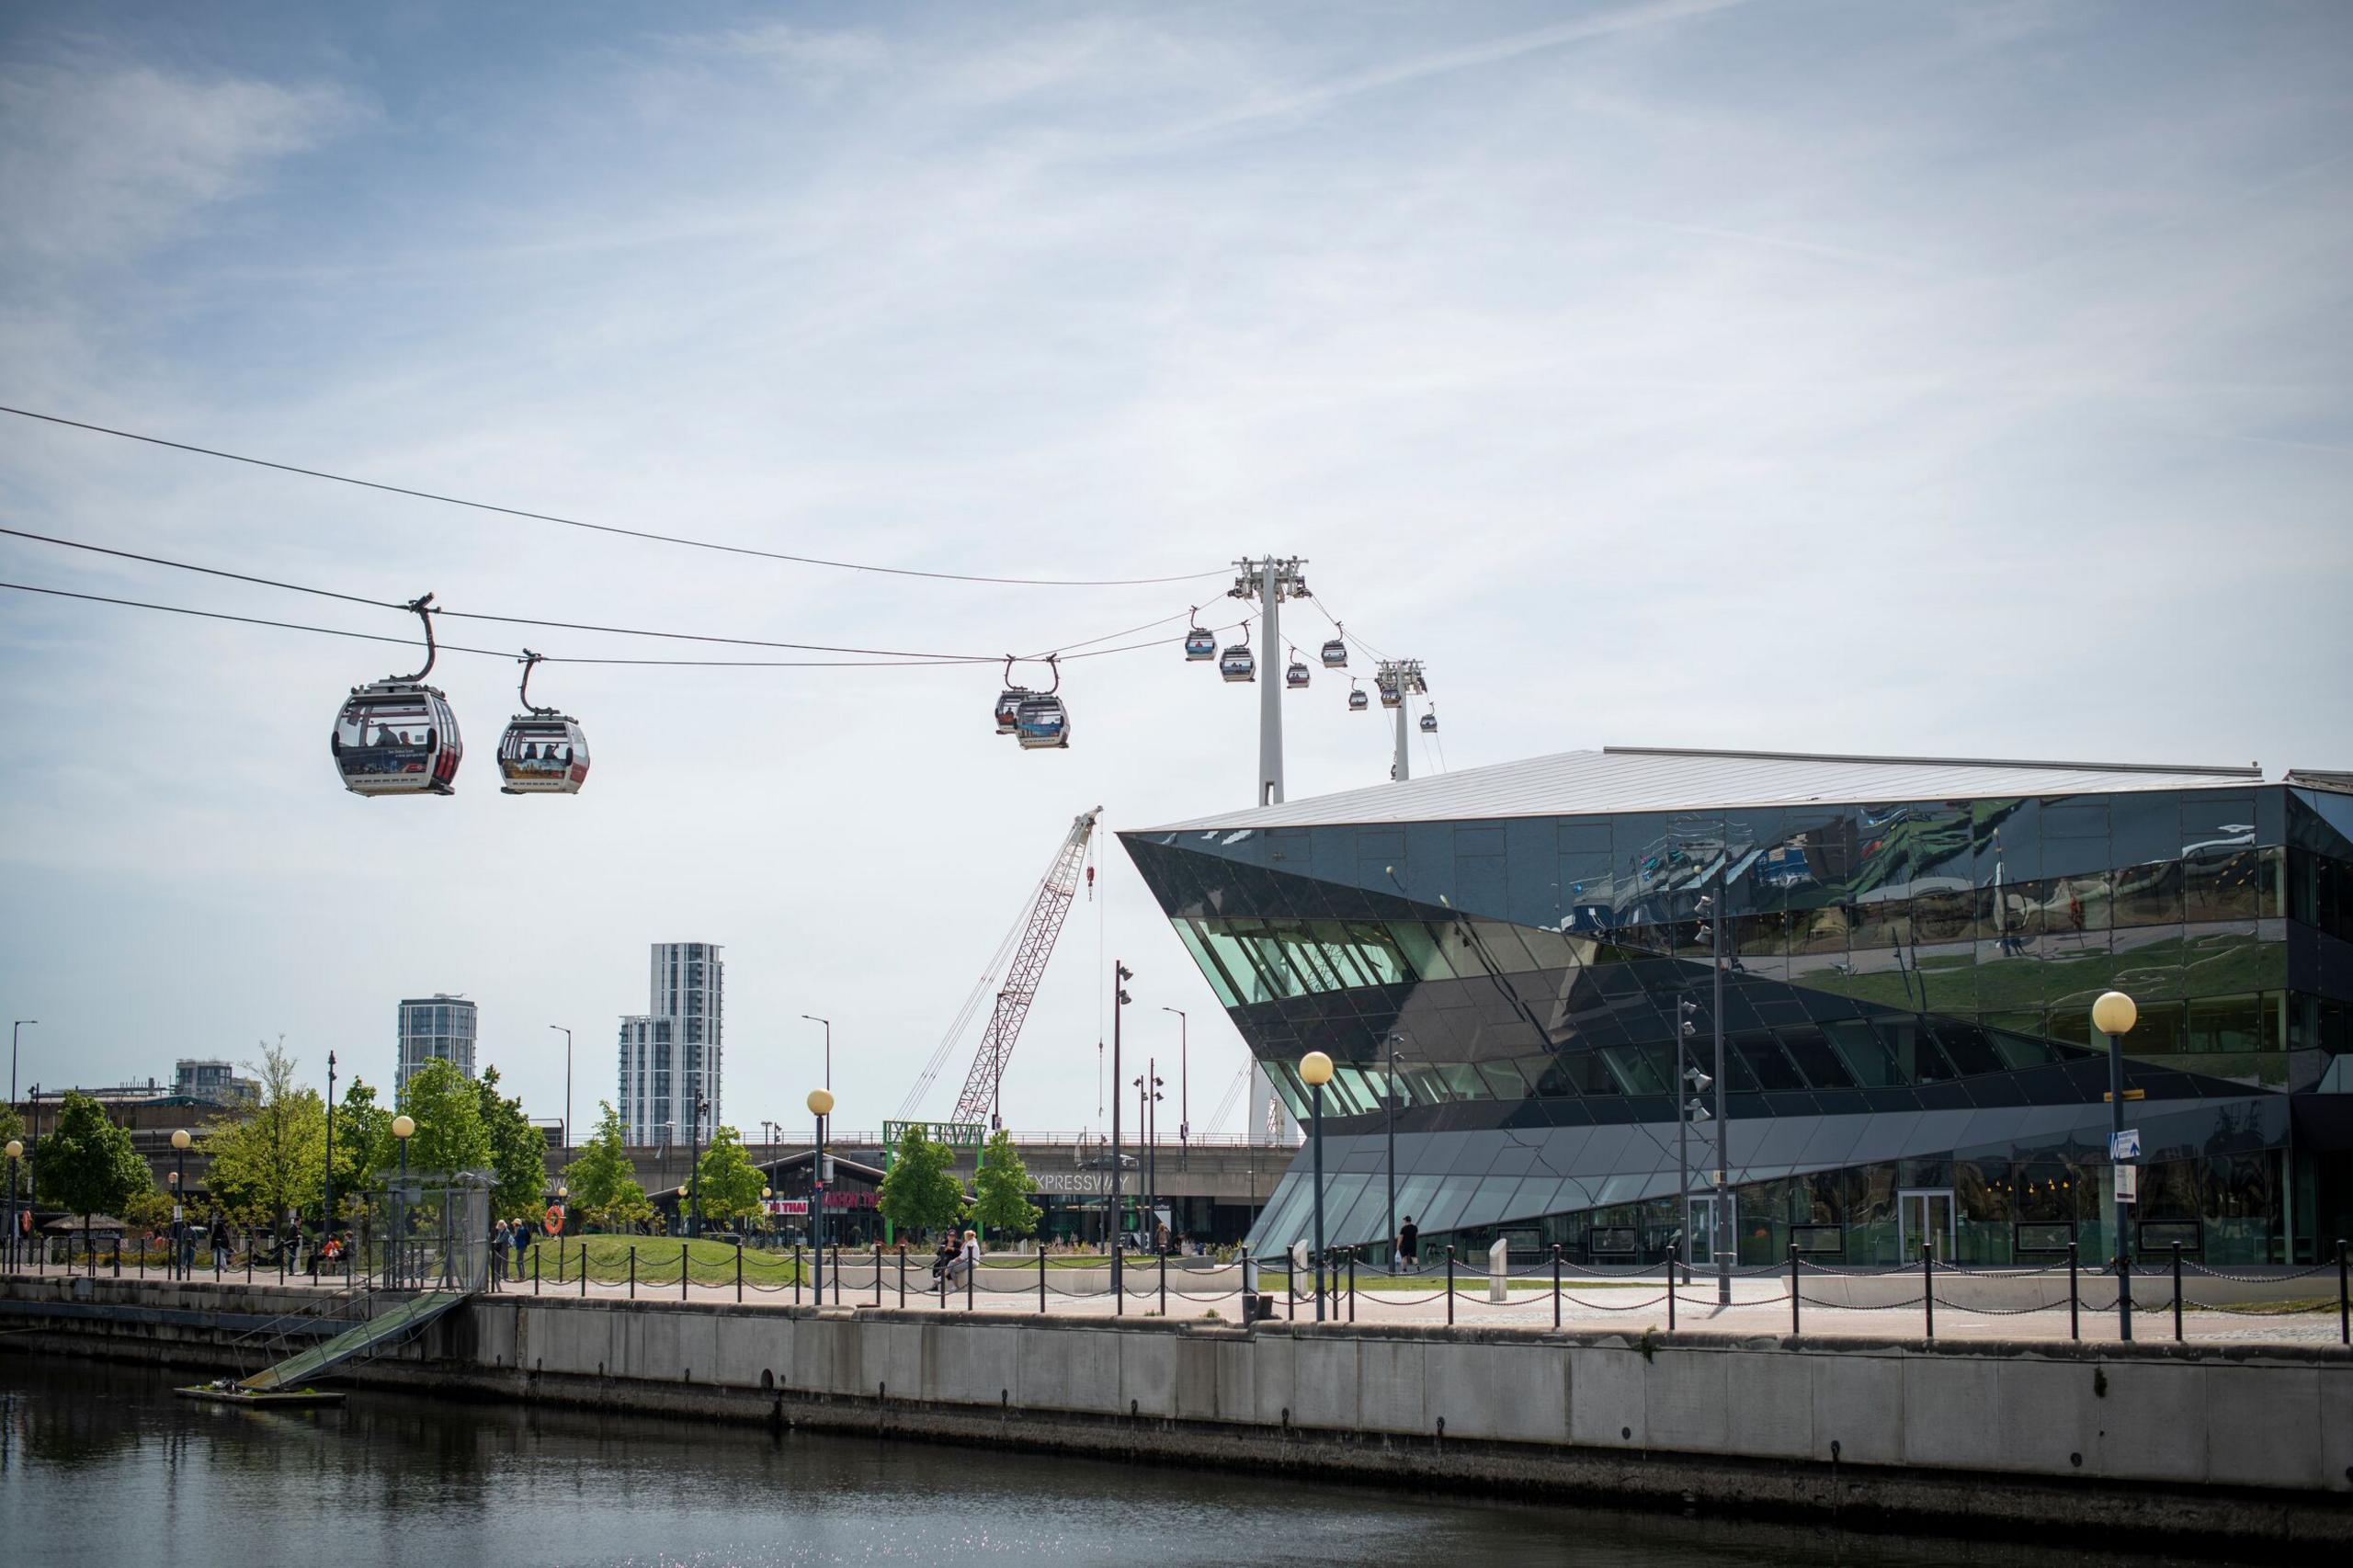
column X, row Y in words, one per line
column 2124, row 1146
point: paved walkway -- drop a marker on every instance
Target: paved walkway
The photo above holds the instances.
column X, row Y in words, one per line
column 1759, row 1307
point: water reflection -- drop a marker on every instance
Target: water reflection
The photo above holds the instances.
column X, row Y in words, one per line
column 100, row 1465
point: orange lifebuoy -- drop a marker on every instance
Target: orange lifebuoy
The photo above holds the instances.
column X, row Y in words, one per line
column 554, row 1225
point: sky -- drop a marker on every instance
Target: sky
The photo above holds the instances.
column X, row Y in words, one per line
column 1839, row 377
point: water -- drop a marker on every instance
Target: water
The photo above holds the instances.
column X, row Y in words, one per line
column 100, row 1466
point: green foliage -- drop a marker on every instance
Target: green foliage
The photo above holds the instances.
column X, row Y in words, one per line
column 1001, row 1189
column 604, row 1189
column 918, row 1192
column 148, row 1210
column 11, row 1126
column 446, row 1108
column 727, row 1185
column 363, row 1144
column 272, row 1157
column 518, row 1152
column 87, row 1167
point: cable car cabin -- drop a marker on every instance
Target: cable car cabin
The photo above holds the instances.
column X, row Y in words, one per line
column 543, row 755
column 1358, row 701
column 1336, row 654
column 1389, row 696
column 1009, row 708
column 1200, row 644
column 1429, row 723
column 1295, row 678
column 396, row 737
column 1239, row 662
column 1043, row 723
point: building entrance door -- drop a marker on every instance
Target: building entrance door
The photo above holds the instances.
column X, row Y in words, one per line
column 1700, row 1234
column 1925, row 1214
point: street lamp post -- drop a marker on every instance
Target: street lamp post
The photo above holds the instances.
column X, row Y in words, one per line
column 2114, row 1015
column 1315, row 1070
column 180, row 1248
column 403, row 1128
column 821, row 1106
column 1120, row 975
column 1389, row 1103
column 694, row 1167
column 20, row 1024
column 1183, row 1081
column 327, row 1198
column 829, row 1045
column 567, row 1086
column 14, row 1152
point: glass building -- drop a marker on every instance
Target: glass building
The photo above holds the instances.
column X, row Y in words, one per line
column 670, row 1054
column 1912, row 951
column 439, row 1026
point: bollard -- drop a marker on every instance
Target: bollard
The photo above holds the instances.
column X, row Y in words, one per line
column 970, row 1275
column 584, row 1267
column 1352, row 1282
column 1928, row 1286
column 1041, row 1280
column 1449, row 1285
column 878, row 1276
column 943, row 1289
column 1556, row 1284
column 1674, row 1256
column 796, row 1274
column 686, row 1270
column 2074, row 1330
column 903, row 1274
column 2177, row 1292
column 1119, row 1275
column 1793, row 1290
column 117, row 1258
column 632, row 1271
column 2344, row 1300
column 535, row 1272
column 1290, row 1291
column 1164, row 1283
column 559, row 1260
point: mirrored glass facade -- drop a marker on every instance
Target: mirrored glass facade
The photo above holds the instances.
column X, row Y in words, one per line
column 1908, row 1049
column 439, row 1026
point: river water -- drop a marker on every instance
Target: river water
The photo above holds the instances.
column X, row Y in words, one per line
column 100, row 1466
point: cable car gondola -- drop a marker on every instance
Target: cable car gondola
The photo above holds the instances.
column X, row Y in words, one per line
column 1336, row 651
column 1238, row 663
column 1295, row 674
column 1040, row 720
column 1200, row 642
column 1008, row 701
column 1357, row 700
column 1429, row 723
column 397, row 736
column 1389, row 696
column 543, row 752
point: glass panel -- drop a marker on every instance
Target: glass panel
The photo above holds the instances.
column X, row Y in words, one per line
column 1761, row 1054
column 2148, row 895
column 1866, row 1055
column 2224, row 885
column 1811, row 1050
column 1639, row 1069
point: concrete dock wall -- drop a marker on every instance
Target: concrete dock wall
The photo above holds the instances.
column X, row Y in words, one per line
column 2163, row 1444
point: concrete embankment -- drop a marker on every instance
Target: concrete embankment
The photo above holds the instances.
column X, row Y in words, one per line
column 2241, row 1447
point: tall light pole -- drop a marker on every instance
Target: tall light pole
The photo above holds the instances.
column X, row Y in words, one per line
column 693, row 1189
column 567, row 1086
column 1148, row 1125
column 12, row 1029
column 2114, row 1015
column 1389, row 1102
column 1400, row 679
column 180, row 1246
column 403, row 1128
column 1184, row 1079
column 1721, row 910
column 829, row 1045
column 326, row 1192
column 1315, row 1070
column 1270, row 582
column 1120, row 975
column 821, row 1106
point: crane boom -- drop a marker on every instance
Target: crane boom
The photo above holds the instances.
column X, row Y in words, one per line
column 984, row 1083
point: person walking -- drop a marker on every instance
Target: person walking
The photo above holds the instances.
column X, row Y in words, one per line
column 1409, row 1247
column 497, row 1254
column 219, row 1236
column 184, row 1246
column 524, row 1237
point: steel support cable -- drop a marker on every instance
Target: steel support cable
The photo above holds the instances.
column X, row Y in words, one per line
column 909, row 654
column 609, row 528
column 508, row 653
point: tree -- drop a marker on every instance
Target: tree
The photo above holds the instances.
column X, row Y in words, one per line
column 918, row 1192
column 87, row 1167
column 446, row 1108
column 727, row 1185
column 518, row 1152
column 602, row 1183
column 363, row 1144
column 273, row 1158
column 1001, row 1188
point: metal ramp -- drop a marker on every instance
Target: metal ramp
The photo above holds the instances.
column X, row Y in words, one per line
column 377, row 1333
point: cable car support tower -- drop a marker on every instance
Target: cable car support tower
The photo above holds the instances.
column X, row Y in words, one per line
column 1270, row 581
column 1039, row 925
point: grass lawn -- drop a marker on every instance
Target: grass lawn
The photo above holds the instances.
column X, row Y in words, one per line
column 711, row 1263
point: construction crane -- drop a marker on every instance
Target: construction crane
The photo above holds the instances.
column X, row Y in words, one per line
column 1030, row 942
